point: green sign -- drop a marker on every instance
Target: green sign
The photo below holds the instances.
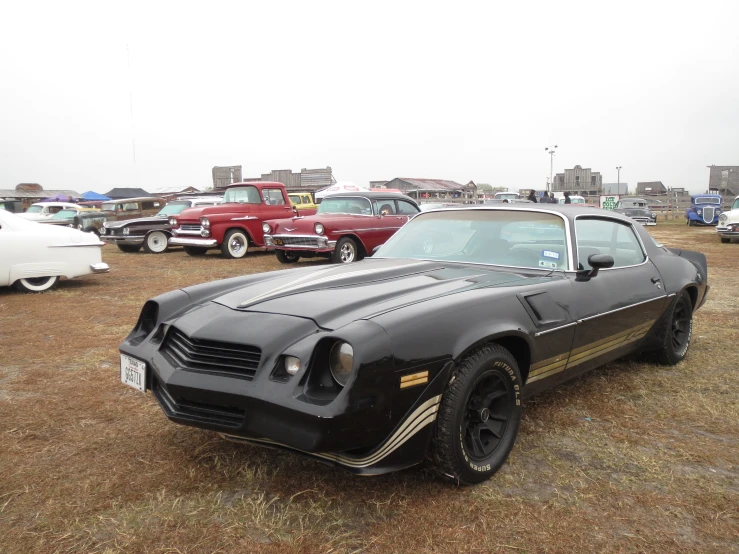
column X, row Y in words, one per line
column 608, row 202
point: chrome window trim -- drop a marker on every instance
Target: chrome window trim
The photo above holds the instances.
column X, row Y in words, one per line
column 615, row 220
column 568, row 236
column 621, row 309
column 540, row 333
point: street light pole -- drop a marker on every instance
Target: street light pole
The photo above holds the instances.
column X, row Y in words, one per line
column 550, row 150
column 618, row 186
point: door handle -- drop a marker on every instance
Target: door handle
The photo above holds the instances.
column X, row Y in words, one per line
column 657, row 282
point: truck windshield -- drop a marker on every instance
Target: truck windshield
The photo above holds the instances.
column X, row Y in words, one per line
column 242, row 195
column 708, row 201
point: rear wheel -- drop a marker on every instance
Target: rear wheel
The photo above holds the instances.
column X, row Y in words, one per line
column 36, row 284
column 678, row 330
column 346, row 251
column 725, row 240
column 156, row 242
column 286, row 257
column 130, row 248
column 195, row 250
column 235, row 244
column 479, row 416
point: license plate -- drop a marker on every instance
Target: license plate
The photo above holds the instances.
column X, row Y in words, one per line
column 277, row 241
column 133, row 373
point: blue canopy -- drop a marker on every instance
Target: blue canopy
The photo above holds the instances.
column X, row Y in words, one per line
column 90, row 195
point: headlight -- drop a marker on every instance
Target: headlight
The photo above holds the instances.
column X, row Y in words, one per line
column 204, row 223
column 292, row 364
column 266, row 228
column 340, row 361
column 103, row 230
column 173, row 221
column 204, row 233
column 699, row 211
column 126, row 230
column 722, row 218
column 318, row 228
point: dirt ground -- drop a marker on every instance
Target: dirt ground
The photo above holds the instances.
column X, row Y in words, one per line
column 633, row 457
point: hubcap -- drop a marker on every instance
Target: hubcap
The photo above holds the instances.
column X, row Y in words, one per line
column 236, row 245
column 346, row 253
column 156, row 242
column 680, row 326
column 487, row 414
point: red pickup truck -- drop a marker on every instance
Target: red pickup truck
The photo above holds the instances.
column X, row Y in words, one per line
column 235, row 224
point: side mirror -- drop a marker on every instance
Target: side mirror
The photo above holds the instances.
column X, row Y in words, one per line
column 597, row 262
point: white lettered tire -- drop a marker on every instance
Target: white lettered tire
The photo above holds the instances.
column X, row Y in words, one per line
column 36, row 284
column 156, row 242
column 235, row 244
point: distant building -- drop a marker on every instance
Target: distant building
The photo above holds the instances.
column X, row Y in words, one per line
column 162, row 191
column 307, row 179
column 120, row 193
column 723, row 179
column 378, row 184
column 582, row 181
column 644, row 188
column 434, row 189
column 615, row 188
column 225, row 175
column 29, row 193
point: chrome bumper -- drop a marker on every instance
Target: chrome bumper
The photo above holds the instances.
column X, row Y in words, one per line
column 181, row 241
column 122, row 239
column 322, row 243
column 100, row 268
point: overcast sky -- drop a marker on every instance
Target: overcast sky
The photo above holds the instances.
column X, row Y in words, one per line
column 449, row 90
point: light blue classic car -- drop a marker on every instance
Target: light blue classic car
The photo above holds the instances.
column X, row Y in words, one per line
column 704, row 209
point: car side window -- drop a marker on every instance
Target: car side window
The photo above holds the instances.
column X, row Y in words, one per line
column 406, row 208
column 273, row 197
column 54, row 209
column 606, row 236
column 383, row 207
column 149, row 205
column 130, row 207
column 305, row 199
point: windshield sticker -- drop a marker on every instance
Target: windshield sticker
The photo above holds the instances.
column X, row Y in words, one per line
column 550, row 254
column 547, row 264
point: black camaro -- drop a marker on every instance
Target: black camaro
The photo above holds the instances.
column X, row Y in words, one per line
column 425, row 350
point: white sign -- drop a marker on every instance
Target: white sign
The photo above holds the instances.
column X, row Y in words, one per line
column 609, row 202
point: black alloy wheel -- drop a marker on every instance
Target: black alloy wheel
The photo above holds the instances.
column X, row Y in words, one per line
column 479, row 416
column 677, row 331
column 285, row 257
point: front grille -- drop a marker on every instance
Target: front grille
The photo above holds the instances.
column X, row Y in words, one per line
column 190, row 227
column 209, row 356
column 298, row 241
column 708, row 214
column 174, row 406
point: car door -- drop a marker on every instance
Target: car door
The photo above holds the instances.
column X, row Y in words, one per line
column 617, row 307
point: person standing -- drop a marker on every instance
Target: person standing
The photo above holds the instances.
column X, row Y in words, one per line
column 531, row 197
column 567, row 198
column 552, row 199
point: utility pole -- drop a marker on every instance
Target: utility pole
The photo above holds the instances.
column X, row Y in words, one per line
column 550, row 150
column 618, row 186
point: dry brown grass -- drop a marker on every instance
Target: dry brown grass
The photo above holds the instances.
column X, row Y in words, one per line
column 631, row 458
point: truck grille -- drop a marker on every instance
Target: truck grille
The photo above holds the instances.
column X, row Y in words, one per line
column 708, row 214
column 208, row 356
column 190, row 227
column 287, row 240
column 174, row 406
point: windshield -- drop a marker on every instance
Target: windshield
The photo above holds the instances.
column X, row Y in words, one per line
column 631, row 204
column 735, row 205
column 504, row 195
column 242, row 195
column 173, row 208
column 63, row 214
column 345, row 205
column 34, row 209
column 708, row 201
column 294, row 198
column 515, row 238
column 108, row 206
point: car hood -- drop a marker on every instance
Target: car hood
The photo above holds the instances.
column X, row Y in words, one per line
column 732, row 216
column 335, row 296
column 139, row 220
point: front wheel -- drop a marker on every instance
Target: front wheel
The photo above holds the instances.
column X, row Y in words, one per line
column 287, row 257
column 346, row 251
column 130, row 248
column 479, row 416
column 156, row 242
column 725, row 240
column 195, row 250
column 235, row 244
column 36, row 284
column 678, row 330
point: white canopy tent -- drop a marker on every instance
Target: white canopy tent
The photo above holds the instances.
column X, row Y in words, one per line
column 341, row 186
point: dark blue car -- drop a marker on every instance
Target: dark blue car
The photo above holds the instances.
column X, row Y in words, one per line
column 704, row 209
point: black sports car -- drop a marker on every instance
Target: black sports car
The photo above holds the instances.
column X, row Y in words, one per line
column 425, row 350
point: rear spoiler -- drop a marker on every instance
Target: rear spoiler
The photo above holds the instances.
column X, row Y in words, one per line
column 696, row 258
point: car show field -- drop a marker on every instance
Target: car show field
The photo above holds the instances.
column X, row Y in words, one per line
column 631, row 457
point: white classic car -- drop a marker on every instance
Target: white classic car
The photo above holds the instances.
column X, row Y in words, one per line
column 728, row 223
column 33, row 257
column 43, row 210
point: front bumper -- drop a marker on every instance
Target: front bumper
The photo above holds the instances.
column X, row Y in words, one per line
column 314, row 243
column 182, row 241
column 727, row 233
column 122, row 239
